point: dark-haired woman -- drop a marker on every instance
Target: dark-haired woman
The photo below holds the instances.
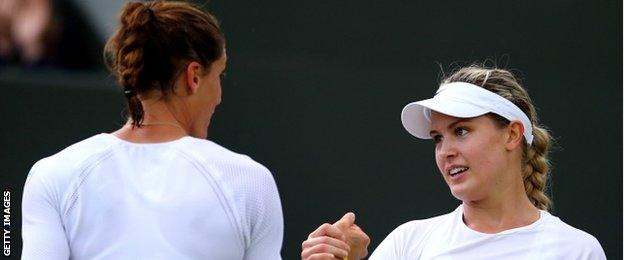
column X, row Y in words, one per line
column 156, row 189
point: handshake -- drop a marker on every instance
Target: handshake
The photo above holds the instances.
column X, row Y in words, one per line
column 341, row 240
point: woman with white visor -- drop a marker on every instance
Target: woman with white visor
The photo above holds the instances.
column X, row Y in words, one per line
column 492, row 154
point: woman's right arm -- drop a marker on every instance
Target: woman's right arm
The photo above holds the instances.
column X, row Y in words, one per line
column 43, row 234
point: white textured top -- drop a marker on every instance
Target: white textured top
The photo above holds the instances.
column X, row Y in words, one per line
column 446, row 237
column 105, row 198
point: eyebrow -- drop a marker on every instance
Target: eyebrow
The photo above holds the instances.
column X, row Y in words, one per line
column 451, row 125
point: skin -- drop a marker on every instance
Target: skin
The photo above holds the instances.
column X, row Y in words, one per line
column 336, row 241
column 197, row 93
column 491, row 189
column 24, row 23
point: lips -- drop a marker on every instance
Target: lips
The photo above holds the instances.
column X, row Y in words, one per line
column 455, row 170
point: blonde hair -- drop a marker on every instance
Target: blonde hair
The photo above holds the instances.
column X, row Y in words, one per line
column 535, row 166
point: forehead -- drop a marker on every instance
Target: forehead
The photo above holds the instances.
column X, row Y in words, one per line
column 223, row 58
column 221, row 62
column 441, row 120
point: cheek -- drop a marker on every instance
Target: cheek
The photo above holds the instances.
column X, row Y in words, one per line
column 215, row 98
column 439, row 163
column 214, row 92
column 488, row 159
column 216, row 89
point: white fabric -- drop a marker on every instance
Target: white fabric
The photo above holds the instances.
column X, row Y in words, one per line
column 446, row 237
column 105, row 198
column 464, row 100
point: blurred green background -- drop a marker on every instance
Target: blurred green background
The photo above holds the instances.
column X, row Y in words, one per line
column 314, row 91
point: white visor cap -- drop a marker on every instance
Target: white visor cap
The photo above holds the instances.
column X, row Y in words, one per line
column 463, row 100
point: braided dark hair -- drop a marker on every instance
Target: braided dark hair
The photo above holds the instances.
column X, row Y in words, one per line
column 153, row 43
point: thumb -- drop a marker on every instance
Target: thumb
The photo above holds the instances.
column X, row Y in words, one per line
column 346, row 221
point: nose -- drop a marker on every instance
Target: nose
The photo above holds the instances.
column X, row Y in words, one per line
column 446, row 149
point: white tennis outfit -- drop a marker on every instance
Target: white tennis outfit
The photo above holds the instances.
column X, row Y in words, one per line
column 447, row 237
column 105, row 198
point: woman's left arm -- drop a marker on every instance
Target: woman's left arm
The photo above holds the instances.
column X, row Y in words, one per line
column 267, row 222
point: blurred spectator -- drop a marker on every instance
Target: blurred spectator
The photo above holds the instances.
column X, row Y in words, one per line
column 26, row 30
column 36, row 33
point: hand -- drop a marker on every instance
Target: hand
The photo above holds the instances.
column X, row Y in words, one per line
column 337, row 241
column 357, row 240
column 327, row 242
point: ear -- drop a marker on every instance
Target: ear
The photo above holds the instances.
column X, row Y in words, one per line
column 192, row 74
column 515, row 135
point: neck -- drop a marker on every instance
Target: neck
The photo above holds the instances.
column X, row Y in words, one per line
column 160, row 124
column 510, row 208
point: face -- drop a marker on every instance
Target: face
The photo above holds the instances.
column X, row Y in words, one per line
column 211, row 83
column 471, row 155
column 208, row 96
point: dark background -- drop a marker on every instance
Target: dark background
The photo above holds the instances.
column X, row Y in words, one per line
column 315, row 89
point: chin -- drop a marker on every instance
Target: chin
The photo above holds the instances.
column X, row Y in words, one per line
column 458, row 195
column 201, row 133
column 463, row 193
column 199, row 128
column 467, row 196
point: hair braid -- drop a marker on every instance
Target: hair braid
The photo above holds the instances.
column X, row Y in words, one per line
column 129, row 46
column 536, row 168
column 154, row 41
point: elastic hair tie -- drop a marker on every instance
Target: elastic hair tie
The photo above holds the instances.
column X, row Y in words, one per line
column 129, row 93
column 151, row 13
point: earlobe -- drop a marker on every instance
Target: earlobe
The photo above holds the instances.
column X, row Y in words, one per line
column 192, row 77
column 516, row 135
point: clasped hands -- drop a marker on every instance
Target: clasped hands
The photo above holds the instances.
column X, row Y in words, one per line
column 341, row 240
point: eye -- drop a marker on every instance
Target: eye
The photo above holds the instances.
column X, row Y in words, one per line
column 460, row 131
column 436, row 139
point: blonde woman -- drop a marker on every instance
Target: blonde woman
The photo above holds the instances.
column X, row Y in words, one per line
column 492, row 153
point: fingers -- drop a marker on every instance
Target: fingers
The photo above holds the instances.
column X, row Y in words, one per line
column 361, row 234
column 332, row 242
column 326, row 242
column 358, row 242
column 323, row 256
column 322, row 250
column 346, row 221
column 328, row 230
